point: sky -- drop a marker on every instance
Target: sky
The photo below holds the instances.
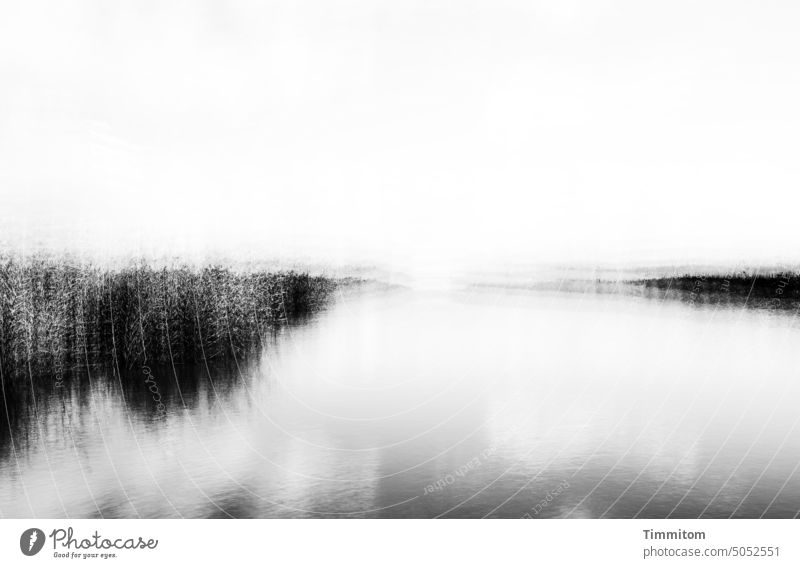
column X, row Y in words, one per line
column 413, row 134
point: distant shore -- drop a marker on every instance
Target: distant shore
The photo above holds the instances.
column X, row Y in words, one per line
column 774, row 289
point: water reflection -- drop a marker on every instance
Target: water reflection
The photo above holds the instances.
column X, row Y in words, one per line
column 408, row 404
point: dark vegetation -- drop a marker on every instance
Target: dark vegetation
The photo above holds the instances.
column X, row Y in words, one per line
column 57, row 316
column 775, row 289
column 763, row 289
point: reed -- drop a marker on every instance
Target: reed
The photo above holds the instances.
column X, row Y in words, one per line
column 58, row 315
column 783, row 285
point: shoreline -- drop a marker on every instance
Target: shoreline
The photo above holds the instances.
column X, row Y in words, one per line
column 774, row 290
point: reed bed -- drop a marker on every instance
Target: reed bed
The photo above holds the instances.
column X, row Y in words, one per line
column 744, row 284
column 56, row 316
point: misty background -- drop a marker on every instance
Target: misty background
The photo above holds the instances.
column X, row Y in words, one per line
column 423, row 136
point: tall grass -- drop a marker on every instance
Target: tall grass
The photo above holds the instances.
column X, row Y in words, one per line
column 773, row 290
column 767, row 285
column 57, row 315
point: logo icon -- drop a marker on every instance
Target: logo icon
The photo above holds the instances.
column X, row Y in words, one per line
column 31, row 541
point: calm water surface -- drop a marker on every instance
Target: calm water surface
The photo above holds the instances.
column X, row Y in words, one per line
column 426, row 404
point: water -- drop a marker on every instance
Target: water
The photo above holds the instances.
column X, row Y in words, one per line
column 426, row 404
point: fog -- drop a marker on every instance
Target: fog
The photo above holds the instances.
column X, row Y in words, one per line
column 411, row 134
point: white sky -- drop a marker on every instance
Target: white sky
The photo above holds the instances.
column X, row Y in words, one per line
column 412, row 132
